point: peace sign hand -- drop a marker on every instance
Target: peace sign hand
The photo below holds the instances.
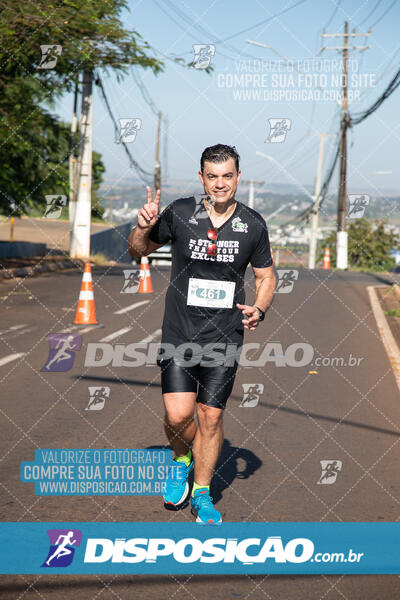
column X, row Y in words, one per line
column 147, row 215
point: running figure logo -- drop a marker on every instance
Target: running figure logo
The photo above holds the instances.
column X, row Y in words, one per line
column 202, row 55
column 278, row 129
column 330, row 470
column 62, row 547
column 62, row 351
column 50, row 54
column 286, row 279
column 251, row 394
column 128, row 129
column 54, row 206
column 98, row 396
column 132, row 280
column 357, row 206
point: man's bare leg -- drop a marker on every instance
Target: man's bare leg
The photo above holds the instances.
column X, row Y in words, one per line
column 179, row 422
column 207, row 442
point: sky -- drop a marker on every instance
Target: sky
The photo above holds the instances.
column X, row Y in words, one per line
column 234, row 104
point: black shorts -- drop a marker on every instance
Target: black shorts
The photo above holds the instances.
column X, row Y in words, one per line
column 213, row 385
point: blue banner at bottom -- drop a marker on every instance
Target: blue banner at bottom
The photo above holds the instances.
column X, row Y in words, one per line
column 174, row 548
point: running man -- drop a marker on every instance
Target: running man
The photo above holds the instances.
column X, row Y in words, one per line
column 62, row 353
column 62, row 549
column 98, row 396
column 212, row 242
column 131, row 281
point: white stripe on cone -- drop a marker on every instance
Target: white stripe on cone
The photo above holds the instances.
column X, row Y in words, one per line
column 86, row 295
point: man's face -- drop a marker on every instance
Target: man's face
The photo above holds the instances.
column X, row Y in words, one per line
column 220, row 180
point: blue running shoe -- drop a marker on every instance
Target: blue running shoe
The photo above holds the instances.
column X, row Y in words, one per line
column 177, row 486
column 203, row 508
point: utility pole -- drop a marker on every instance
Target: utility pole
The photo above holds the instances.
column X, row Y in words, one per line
column 72, row 160
column 252, row 183
column 317, row 192
column 110, row 209
column 165, row 150
column 80, row 238
column 341, row 236
column 157, row 168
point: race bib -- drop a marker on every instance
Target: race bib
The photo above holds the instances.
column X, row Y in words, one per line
column 210, row 293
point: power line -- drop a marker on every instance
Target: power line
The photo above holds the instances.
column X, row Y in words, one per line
column 325, row 185
column 387, row 70
column 223, row 40
column 333, row 14
column 303, row 216
column 202, row 30
column 324, row 189
column 133, row 163
column 148, row 99
column 344, row 49
column 145, row 94
column 294, row 161
column 206, row 33
column 393, row 85
column 167, row 14
column 285, row 10
column 371, row 12
column 384, row 14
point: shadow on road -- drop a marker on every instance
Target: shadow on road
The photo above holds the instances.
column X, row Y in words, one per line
column 228, row 467
column 317, row 416
column 120, row 380
column 293, row 411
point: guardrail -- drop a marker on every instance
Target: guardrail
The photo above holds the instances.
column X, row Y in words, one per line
column 113, row 243
column 21, row 249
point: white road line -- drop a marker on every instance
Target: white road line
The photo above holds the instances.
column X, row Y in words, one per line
column 76, row 330
column 12, row 328
column 11, row 335
column 10, row 358
column 151, row 337
column 89, row 328
column 388, row 340
column 116, row 334
column 126, row 309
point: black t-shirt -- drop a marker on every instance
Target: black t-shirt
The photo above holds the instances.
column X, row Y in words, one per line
column 243, row 238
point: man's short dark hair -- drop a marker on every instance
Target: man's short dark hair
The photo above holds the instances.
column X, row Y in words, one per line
column 219, row 153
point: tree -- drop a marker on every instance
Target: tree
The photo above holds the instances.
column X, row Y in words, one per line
column 97, row 178
column 369, row 245
column 34, row 144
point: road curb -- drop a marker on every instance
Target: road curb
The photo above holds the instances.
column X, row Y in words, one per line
column 391, row 347
column 45, row 267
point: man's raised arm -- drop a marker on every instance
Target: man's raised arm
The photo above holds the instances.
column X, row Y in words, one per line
column 139, row 243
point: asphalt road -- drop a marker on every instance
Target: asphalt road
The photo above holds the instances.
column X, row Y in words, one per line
column 270, row 464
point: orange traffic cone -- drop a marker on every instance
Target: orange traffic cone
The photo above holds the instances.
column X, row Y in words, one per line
column 326, row 264
column 145, row 286
column 86, row 311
